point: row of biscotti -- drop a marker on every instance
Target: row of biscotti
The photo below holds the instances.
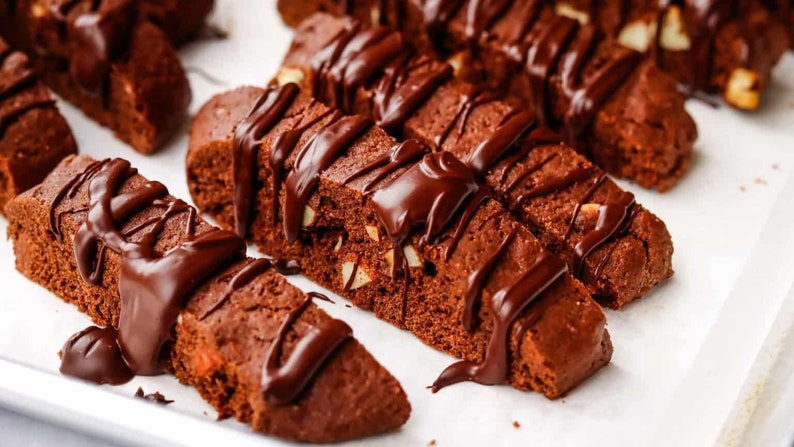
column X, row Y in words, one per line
column 621, row 111
column 728, row 47
column 34, row 137
column 405, row 232
column 111, row 59
column 725, row 47
column 617, row 248
column 175, row 294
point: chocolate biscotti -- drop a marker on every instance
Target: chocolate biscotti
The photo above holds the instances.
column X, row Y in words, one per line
column 120, row 71
column 174, row 293
column 725, row 47
column 34, row 137
column 623, row 113
column 180, row 19
column 408, row 234
column 616, row 247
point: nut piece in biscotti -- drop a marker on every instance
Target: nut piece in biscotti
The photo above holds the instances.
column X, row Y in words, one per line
column 543, row 182
column 620, row 111
column 34, row 137
column 407, row 234
column 253, row 345
column 121, row 72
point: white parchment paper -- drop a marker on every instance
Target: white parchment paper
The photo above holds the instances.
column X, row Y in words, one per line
column 683, row 354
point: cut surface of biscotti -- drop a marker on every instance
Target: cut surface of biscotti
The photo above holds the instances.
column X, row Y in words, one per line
column 177, row 294
column 408, row 234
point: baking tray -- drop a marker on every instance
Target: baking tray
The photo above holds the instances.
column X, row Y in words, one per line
column 688, row 358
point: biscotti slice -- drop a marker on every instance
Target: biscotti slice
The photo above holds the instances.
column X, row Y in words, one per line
column 34, row 137
column 405, row 233
column 615, row 246
column 122, row 72
column 624, row 114
column 175, row 293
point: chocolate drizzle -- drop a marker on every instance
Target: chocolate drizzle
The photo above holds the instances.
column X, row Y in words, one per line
column 507, row 305
column 398, row 95
column 476, row 282
column 97, row 38
column 399, row 156
column 351, row 61
column 484, row 157
column 312, row 159
column 266, row 113
column 611, row 217
column 19, row 76
column 283, row 382
column 93, row 355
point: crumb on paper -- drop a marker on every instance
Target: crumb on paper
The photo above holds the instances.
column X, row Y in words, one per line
column 516, row 424
column 348, row 306
column 760, row 181
column 742, row 188
column 775, row 166
column 432, row 442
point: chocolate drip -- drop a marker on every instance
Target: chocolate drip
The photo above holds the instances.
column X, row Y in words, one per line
column 578, row 208
column 531, row 170
column 97, row 38
column 284, row 382
column 252, row 270
column 476, row 283
column 93, row 355
column 429, row 195
column 507, row 305
column 266, row 113
column 468, row 103
column 611, row 217
column 314, row 157
column 281, row 148
column 153, row 286
column 349, row 283
column 155, row 397
column 14, row 113
column 509, row 133
column 319, row 296
column 351, row 60
column 398, row 95
column 399, row 156
column 68, row 191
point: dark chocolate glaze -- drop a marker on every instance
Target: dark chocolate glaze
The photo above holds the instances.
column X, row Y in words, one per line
column 155, row 397
column 507, row 305
column 312, row 159
column 397, row 96
column 97, row 38
column 253, row 269
column 483, row 158
column 399, row 156
column 611, row 217
column 284, row 382
column 468, row 103
column 281, row 148
column 351, row 61
column 578, row 208
column 93, row 355
column 556, row 183
column 481, row 15
column 476, row 282
column 68, row 191
column 429, row 195
column 266, row 113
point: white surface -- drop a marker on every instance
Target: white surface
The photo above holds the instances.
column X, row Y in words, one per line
column 683, row 355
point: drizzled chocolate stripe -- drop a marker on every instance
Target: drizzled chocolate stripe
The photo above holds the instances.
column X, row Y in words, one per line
column 508, row 304
column 20, row 77
column 154, row 286
column 266, row 113
column 312, row 159
column 283, row 383
column 399, row 156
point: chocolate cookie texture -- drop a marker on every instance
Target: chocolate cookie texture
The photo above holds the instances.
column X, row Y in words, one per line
column 176, row 294
column 622, row 112
column 616, row 247
column 409, row 234
column 34, row 137
column 119, row 69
